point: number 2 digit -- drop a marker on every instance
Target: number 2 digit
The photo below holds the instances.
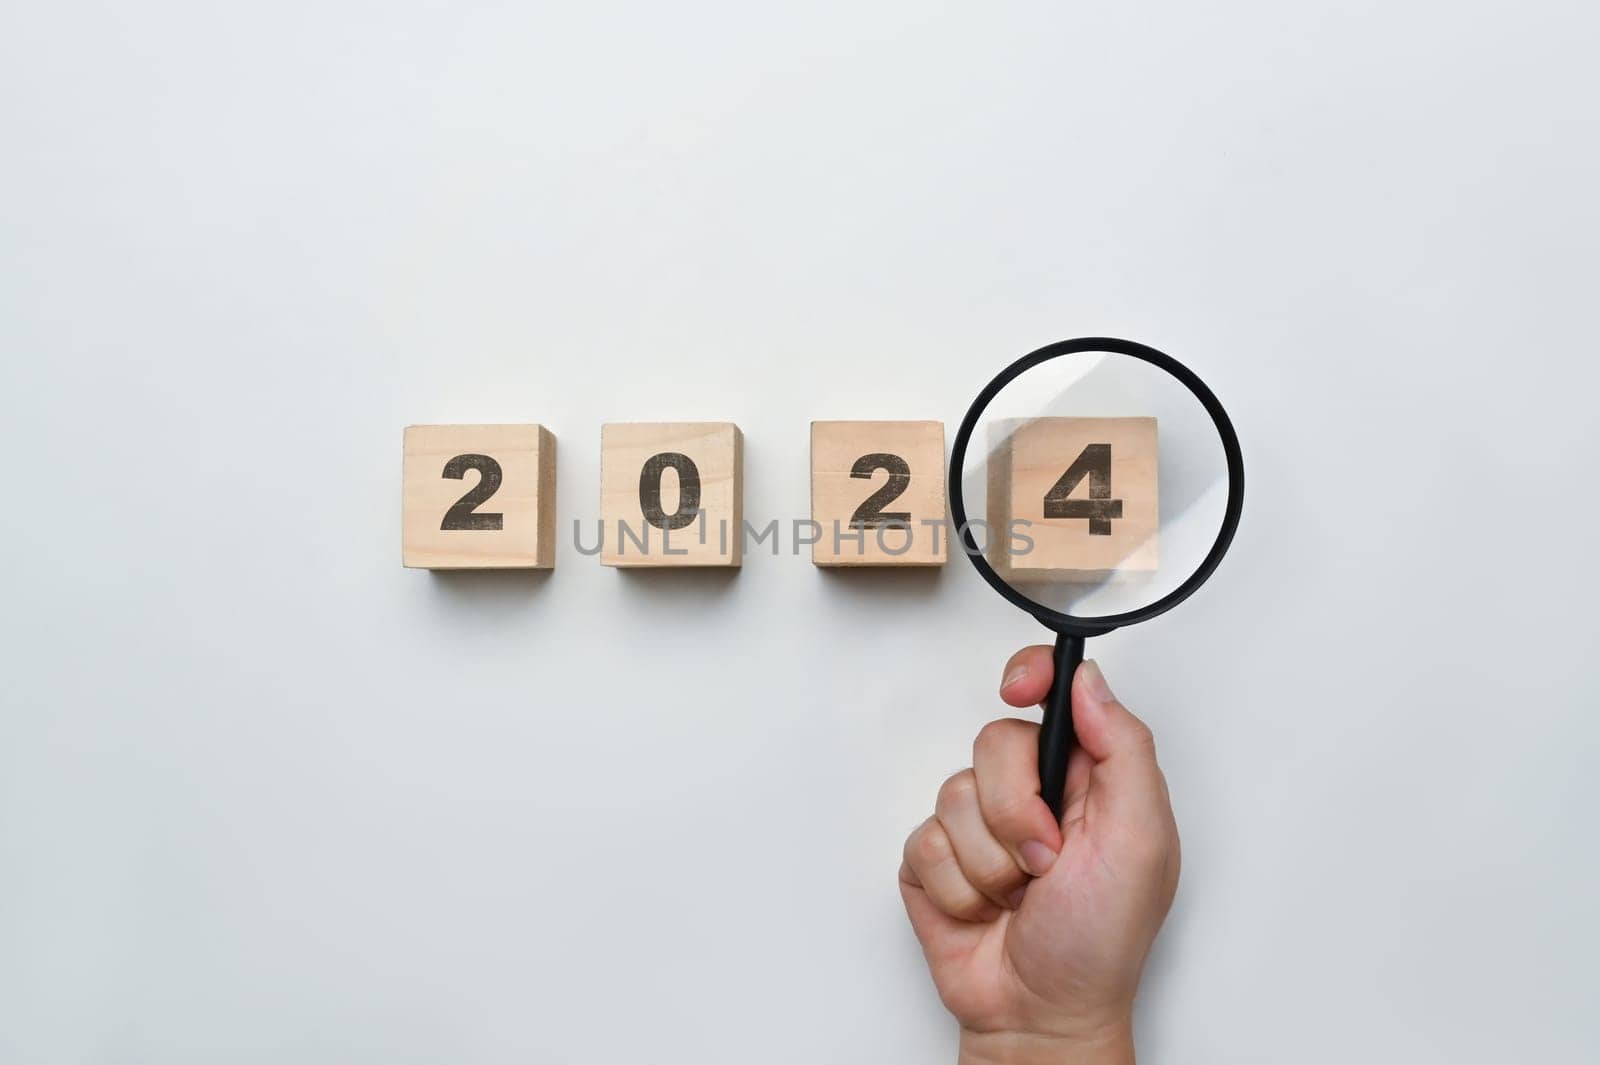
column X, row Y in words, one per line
column 462, row 515
column 1095, row 463
column 870, row 513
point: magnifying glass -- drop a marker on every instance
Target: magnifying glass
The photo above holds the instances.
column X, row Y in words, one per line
column 1111, row 483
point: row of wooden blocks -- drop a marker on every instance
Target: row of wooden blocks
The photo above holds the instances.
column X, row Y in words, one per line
column 671, row 494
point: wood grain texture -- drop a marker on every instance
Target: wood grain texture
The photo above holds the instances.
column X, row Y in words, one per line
column 639, row 458
column 854, row 474
column 525, row 499
column 1026, row 460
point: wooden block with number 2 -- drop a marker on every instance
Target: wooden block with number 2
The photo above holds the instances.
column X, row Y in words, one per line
column 1087, row 490
column 873, row 486
column 478, row 497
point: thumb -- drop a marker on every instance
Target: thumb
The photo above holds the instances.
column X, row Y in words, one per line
column 1125, row 777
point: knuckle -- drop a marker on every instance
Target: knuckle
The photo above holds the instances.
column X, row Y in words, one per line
column 970, row 907
column 1013, row 815
column 1140, row 734
column 960, row 789
column 928, row 846
column 997, row 734
column 986, row 738
column 996, row 878
column 973, row 910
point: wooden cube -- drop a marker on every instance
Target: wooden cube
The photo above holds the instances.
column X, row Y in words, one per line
column 1087, row 488
column 478, row 497
column 873, row 484
column 671, row 494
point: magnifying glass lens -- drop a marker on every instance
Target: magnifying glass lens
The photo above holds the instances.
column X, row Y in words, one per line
column 1096, row 483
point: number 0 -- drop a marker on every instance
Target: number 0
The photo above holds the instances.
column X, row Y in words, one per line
column 688, row 490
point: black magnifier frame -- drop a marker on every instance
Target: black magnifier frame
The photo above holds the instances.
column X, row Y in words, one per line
column 1056, row 736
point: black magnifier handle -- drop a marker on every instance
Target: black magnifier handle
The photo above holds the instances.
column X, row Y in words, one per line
column 1055, row 732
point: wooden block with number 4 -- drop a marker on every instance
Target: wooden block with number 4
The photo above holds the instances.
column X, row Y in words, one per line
column 873, row 485
column 671, row 494
column 478, row 497
column 1087, row 490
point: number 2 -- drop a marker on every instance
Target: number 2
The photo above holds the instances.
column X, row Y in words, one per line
column 462, row 515
column 1095, row 463
column 870, row 513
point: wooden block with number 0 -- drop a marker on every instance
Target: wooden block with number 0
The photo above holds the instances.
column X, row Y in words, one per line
column 1087, row 487
column 671, row 494
column 873, row 485
column 478, row 497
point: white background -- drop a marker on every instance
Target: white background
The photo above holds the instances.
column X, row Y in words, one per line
column 265, row 796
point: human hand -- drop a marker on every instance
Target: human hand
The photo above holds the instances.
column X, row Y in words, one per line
column 1035, row 933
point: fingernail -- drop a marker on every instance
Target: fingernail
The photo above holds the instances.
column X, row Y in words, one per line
column 1014, row 674
column 1037, row 857
column 1015, row 898
column 1094, row 682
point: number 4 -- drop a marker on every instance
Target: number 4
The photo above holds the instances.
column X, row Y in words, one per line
column 1095, row 463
